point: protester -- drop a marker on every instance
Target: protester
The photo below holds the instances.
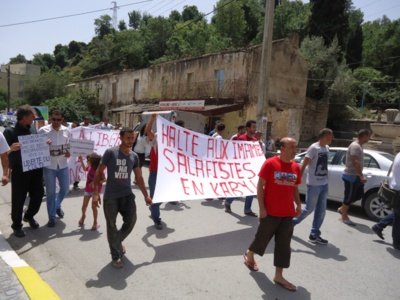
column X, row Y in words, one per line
column 23, row 183
column 394, row 217
column 240, row 131
column 317, row 184
column 270, row 144
column 105, row 125
column 277, row 189
column 120, row 161
column 353, row 177
column 153, row 167
column 140, row 145
column 258, row 136
column 4, row 150
column 248, row 136
column 58, row 140
column 93, row 161
column 214, row 130
column 220, row 131
column 85, row 122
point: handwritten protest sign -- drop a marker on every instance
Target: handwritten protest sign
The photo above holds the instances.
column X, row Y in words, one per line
column 196, row 166
column 81, row 147
column 35, row 151
column 103, row 139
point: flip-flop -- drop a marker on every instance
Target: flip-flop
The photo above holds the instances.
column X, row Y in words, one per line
column 251, row 265
column 286, row 285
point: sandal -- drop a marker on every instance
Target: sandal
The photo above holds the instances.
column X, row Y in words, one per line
column 81, row 222
column 286, row 285
column 95, row 227
column 251, row 265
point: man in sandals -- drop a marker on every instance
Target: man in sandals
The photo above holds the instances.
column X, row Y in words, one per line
column 120, row 161
column 279, row 201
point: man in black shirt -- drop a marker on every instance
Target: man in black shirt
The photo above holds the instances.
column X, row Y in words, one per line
column 23, row 183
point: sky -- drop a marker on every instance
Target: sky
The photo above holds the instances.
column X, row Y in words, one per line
column 41, row 37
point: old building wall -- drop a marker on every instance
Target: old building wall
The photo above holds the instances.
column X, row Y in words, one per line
column 315, row 115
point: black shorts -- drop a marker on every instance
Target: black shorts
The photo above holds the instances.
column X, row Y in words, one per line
column 353, row 191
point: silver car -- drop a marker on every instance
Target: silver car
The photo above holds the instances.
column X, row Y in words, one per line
column 376, row 166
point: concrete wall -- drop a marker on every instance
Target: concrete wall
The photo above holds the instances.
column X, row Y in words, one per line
column 315, row 116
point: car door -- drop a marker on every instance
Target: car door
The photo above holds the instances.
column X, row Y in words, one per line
column 335, row 171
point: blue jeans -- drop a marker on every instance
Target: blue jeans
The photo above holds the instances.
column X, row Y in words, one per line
column 315, row 201
column 396, row 228
column 247, row 202
column 53, row 199
column 154, row 208
column 388, row 220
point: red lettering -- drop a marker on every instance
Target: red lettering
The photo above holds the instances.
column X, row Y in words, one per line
column 185, row 188
column 245, row 165
column 214, row 188
column 234, row 188
column 181, row 161
column 197, row 190
column 225, row 174
column 199, row 166
column 224, row 188
column 210, row 147
column 166, row 152
column 223, row 150
column 194, row 145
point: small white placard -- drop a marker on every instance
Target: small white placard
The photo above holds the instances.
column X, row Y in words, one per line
column 81, row 147
column 35, row 151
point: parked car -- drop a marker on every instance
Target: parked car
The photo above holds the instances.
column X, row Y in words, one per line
column 376, row 166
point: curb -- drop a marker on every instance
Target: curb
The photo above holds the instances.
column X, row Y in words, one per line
column 35, row 287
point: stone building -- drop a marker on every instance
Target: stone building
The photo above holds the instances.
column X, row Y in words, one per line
column 221, row 86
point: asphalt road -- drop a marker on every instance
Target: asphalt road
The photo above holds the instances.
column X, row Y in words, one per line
column 198, row 255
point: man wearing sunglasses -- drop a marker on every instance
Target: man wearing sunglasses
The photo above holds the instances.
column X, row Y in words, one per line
column 58, row 140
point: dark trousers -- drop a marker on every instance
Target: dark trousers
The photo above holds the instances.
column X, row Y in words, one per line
column 23, row 183
column 282, row 229
column 396, row 228
column 353, row 191
column 126, row 206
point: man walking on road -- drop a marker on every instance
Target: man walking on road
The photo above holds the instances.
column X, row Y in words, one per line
column 353, row 177
column 58, row 140
column 317, row 184
column 23, row 183
column 4, row 149
column 276, row 191
column 120, row 161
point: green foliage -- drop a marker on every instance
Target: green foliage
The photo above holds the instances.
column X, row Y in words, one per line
column 46, row 61
column 103, row 26
column 354, row 39
column 75, row 106
column 323, row 65
column 155, row 34
column 122, row 26
column 191, row 13
column 135, row 17
column 3, row 99
column 291, row 17
column 47, row 86
column 381, row 46
column 19, row 59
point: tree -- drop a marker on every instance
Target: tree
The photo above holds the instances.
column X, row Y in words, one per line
column 19, row 59
column 47, row 86
column 103, row 26
column 46, row 61
column 135, row 17
column 3, row 99
column 74, row 106
column 128, row 50
column 191, row 13
column 155, row 33
column 175, row 16
column 291, row 17
column 61, row 55
column 329, row 19
column 122, row 25
column 75, row 48
column 354, row 39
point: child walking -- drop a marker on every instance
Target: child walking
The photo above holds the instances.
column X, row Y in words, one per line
column 93, row 162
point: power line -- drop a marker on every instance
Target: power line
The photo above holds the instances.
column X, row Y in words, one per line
column 69, row 16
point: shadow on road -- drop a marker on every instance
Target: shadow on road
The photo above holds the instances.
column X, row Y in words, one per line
column 329, row 251
column 273, row 291
column 114, row 278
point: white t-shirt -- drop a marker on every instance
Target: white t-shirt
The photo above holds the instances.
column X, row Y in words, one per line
column 395, row 179
column 3, row 144
column 318, row 167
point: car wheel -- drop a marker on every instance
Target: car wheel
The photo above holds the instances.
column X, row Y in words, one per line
column 375, row 208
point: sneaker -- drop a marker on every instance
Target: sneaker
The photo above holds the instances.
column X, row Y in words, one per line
column 19, row 233
column 250, row 213
column 51, row 223
column 317, row 240
column 32, row 222
column 60, row 213
column 377, row 231
column 158, row 225
column 228, row 208
column 117, row 263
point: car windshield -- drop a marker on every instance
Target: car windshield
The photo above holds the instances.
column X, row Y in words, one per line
column 387, row 155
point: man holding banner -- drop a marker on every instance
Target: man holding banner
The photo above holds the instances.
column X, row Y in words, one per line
column 23, row 182
column 277, row 195
column 120, row 161
column 58, row 139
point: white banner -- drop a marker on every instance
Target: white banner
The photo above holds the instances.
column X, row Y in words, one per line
column 81, row 147
column 196, row 166
column 103, row 139
column 35, row 151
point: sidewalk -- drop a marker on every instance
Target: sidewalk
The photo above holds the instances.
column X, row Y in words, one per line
column 19, row 281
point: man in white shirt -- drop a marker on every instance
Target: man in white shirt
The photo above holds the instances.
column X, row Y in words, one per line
column 58, row 140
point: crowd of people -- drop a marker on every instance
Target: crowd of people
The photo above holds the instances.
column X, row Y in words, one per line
column 278, row 197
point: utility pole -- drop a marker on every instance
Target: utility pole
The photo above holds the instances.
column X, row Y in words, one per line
column 115, row 19
column 265, row 68
column 8, row 87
